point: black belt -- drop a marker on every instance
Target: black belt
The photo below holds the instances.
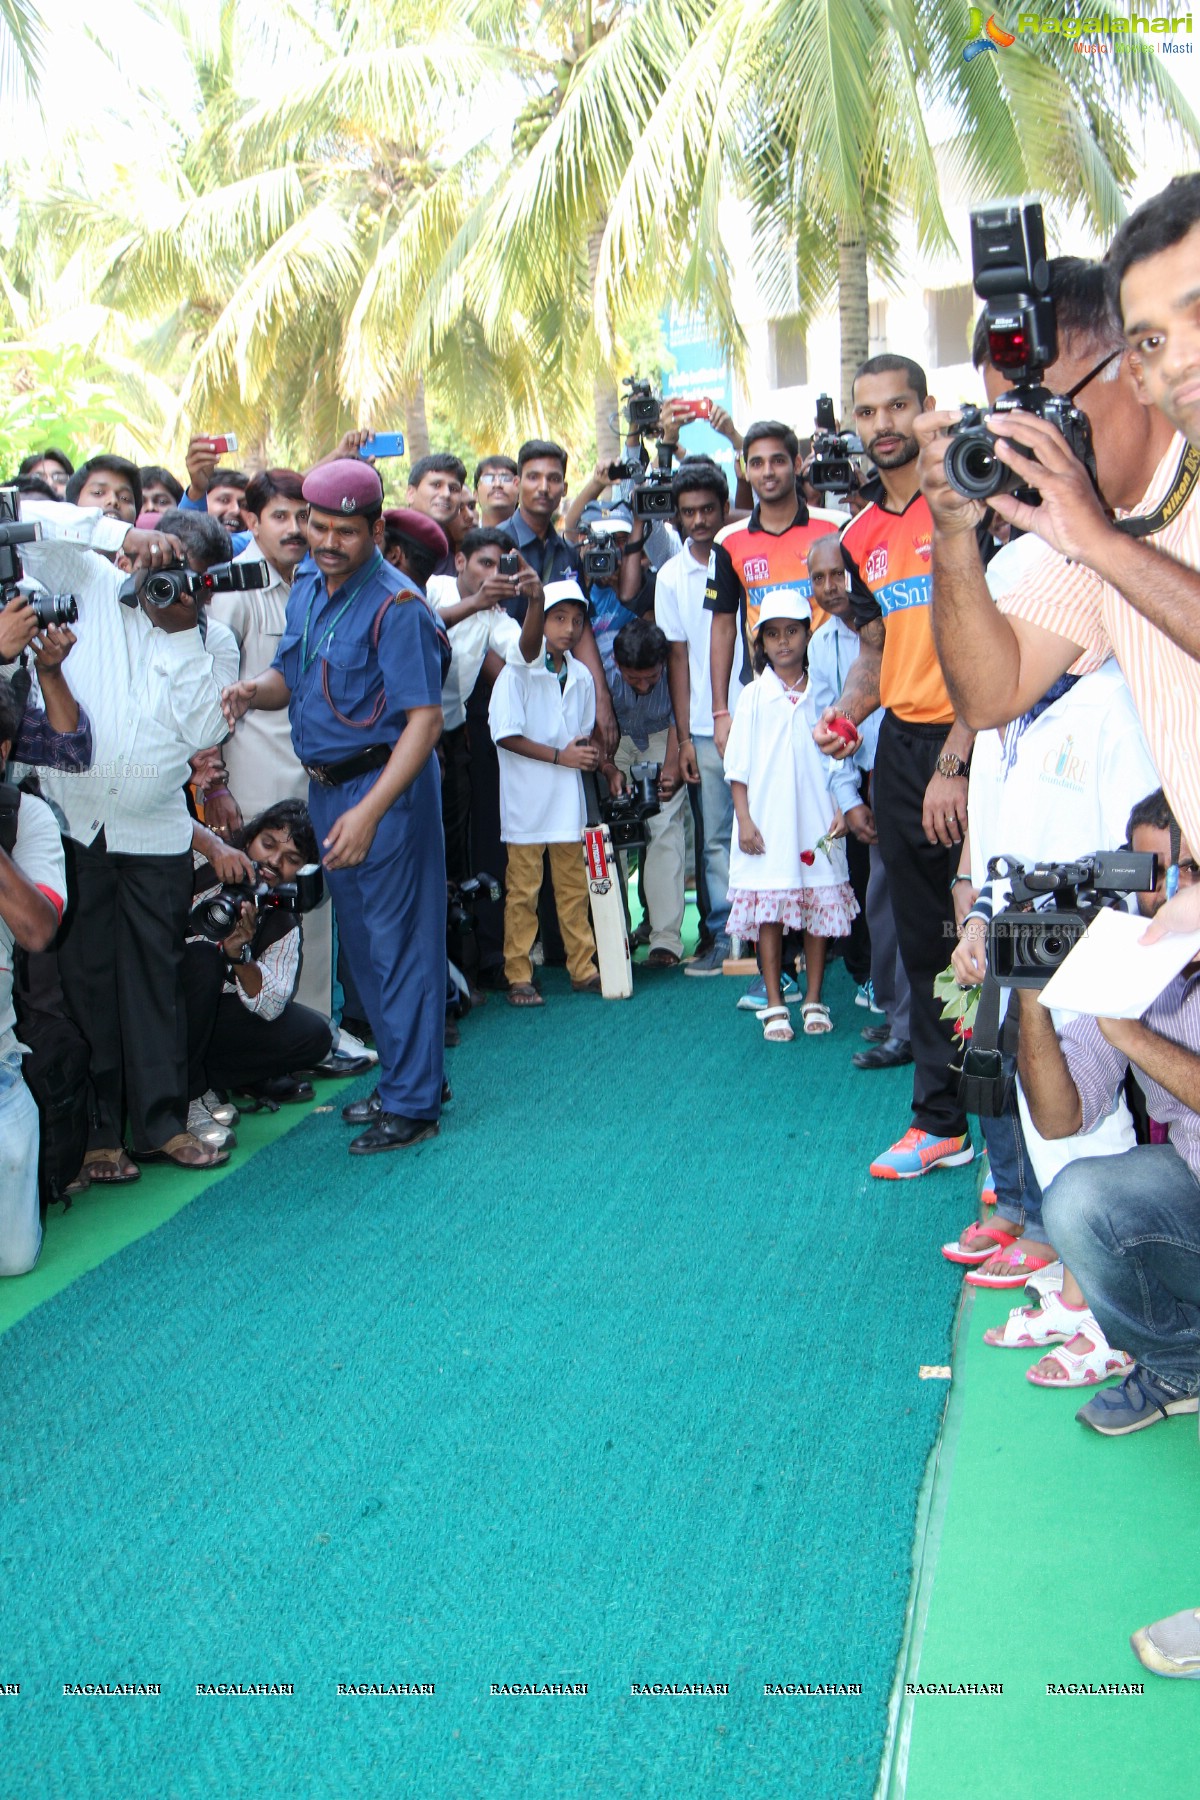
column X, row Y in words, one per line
column 335, row 773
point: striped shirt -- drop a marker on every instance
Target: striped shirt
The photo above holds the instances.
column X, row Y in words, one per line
column 1098, row 1067
column 1073, row 602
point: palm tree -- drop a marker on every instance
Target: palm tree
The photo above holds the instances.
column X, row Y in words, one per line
column 20, row 48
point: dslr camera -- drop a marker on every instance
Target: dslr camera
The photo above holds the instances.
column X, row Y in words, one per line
column 51, row 609
column 628, row 814
column 165, row 586
column 1012, row 278
column 831, row 469
column 643, row 408
column 1027, row 943
column 215, row 917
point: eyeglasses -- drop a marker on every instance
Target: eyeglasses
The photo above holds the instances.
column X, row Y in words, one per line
column 497, row 477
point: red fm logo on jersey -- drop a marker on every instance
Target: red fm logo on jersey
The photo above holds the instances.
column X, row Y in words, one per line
column 875, row 567
column 924, row 546
column 755, row 569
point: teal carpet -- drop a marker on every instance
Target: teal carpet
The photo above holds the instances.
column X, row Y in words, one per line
column 615, row 1382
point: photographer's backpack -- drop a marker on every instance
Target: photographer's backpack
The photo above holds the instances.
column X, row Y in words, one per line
column 56, row 1069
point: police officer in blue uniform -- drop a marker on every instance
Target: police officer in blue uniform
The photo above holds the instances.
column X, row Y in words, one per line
column 359, row 668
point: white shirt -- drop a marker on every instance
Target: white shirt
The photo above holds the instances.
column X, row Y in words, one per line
column 38, row 853
column 262, row 763
column 541, row 803
column 470, row 641
column 771, row 749
column 679, row 613
column 153, row 697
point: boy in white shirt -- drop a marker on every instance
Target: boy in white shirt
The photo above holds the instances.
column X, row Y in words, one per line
column 541, row 717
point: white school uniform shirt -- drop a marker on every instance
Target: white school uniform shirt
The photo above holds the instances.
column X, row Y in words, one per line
column 470, row 641
column 153, row 697
column 541, row 803
column 262, row 763
column 771, row 749
column 679, row 612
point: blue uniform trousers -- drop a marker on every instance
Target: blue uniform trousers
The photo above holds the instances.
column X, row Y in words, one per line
column 391, row 918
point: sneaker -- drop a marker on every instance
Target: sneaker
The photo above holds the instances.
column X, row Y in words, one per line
column 1170, row 1646
column 210, row 1131
column 865, row 996
column 755, row 996
column 713, row 960
column 1141, row 1400
column 223, row 1111
column 919, row 1151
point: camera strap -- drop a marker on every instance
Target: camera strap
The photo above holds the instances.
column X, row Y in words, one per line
column 1182, row 488
column 989, row 1064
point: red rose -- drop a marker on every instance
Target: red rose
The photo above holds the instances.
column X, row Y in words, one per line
column 808, row 858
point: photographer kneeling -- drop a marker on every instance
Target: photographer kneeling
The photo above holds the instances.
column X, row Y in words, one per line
column 243, row 1027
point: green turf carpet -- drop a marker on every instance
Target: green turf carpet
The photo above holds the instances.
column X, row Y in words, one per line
column 1055, row 1545
column 615, row 1382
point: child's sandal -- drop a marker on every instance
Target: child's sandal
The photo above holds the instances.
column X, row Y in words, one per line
column 775, row 1024
column 816, row 1018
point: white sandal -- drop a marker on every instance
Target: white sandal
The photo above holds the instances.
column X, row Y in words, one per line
column 1031, row 1327
column 1084, row 1368
column 816, row 1018
column 775, row 1024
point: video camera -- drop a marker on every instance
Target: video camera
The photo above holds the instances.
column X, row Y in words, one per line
column 51, row 609
column 215, row 917
column 643, row 408
column 163, row 587
column 462, row 949
column 831, row 469
column 1027, row 944
column 627, row 814
column 601, row 550
column 1012, row 278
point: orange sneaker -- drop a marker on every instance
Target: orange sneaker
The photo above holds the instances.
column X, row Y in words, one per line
column 919, row 1151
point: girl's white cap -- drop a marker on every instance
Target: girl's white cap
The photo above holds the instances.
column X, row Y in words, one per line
column 782, row 603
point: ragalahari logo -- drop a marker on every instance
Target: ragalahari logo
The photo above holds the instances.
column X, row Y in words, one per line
column 985, row 37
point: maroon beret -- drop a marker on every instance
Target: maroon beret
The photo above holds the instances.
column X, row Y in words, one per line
column 343, row 486
column 419, row 527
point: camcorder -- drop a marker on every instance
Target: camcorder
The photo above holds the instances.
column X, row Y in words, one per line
column 462, row 948
column 165, row 586
column 1012, row 277
column 601, row 550
column 215, row 917
column 643, row 408
column 627, row 815
column 831, row 469
column 51, row 609
column 1028, row 942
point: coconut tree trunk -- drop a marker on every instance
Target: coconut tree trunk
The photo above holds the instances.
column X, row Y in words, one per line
column 605, row 402
column 416, row 425
column 853, row 307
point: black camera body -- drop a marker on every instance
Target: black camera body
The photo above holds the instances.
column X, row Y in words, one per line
column 628, row 814
column 462, row 948
column 601, row 557
column 1026, row 944
column 652, row 497
column 831, row 470
column 643, row 408
column 51, row 609
column 215, row 917
column 1012, row 277
column 510, row 563
column 163, row 587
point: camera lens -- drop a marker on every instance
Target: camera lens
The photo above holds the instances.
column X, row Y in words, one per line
column 161, row 590
column 972, row 467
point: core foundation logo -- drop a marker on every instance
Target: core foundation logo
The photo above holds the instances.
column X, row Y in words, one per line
column 989, row 36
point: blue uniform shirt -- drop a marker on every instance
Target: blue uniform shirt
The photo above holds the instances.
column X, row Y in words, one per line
column 404, row 671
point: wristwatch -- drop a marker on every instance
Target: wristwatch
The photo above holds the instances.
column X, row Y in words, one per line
column 244, row 955
column 951, row 766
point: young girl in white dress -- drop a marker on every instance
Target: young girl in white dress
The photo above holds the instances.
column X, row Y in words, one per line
column 787, row 862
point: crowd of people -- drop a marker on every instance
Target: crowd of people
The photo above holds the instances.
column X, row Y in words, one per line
column 290, row 725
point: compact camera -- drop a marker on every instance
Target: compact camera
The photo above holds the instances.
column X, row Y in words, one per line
column 627, row 815
column 163, row 587
column 215, row 917
column 1027, row 943
column 1012, row 278
column 831, row 470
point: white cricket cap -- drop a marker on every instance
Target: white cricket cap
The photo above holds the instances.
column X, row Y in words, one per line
column 783, row 603
column 559, row 591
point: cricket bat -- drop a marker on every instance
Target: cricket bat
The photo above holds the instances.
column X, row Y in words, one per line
column 608, row 913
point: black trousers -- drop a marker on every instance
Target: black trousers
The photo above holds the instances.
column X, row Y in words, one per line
column 229, row 1046
column 918, row 878
column 456, row 803
column 856, row 946
column 120, row 957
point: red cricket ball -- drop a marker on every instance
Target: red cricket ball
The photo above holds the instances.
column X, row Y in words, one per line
column 844, row 728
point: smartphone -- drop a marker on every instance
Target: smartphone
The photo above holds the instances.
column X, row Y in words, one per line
column 510, row 564
column 384, row 443
column 222, row 443
column 686, row 411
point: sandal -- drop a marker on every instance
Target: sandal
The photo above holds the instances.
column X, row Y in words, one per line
column 1029, row 1327
column 1016, row 1266
column 816, row 1018
column 523, row 993
column 662, row 958
column 1083, row 1368
column 998, row 1239
column 109, row 1166
column 186, row 1152
column 590, row 986
column 775, row 1024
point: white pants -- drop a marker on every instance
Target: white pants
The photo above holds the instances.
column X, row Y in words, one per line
column 664, row 858
column 20, row 1221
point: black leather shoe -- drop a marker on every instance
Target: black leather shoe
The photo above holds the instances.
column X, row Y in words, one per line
column 876, row 1034
column 363, row 1112
column 893, row 1053
column 391, row 1131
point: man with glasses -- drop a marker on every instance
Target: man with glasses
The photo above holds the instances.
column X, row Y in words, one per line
column 496, row 489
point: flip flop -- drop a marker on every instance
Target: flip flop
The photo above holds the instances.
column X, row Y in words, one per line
column 1001, row 1240
column 186, row 1152
column 1016, row 1267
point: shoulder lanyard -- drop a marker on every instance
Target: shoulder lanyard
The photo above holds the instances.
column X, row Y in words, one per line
column 307, row 657
column 1186, row 477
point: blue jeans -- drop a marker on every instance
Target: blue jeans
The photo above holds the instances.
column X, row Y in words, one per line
column 20, row 1221
column 716, row 812
column 1128, row 1228
column 1018, row 1195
